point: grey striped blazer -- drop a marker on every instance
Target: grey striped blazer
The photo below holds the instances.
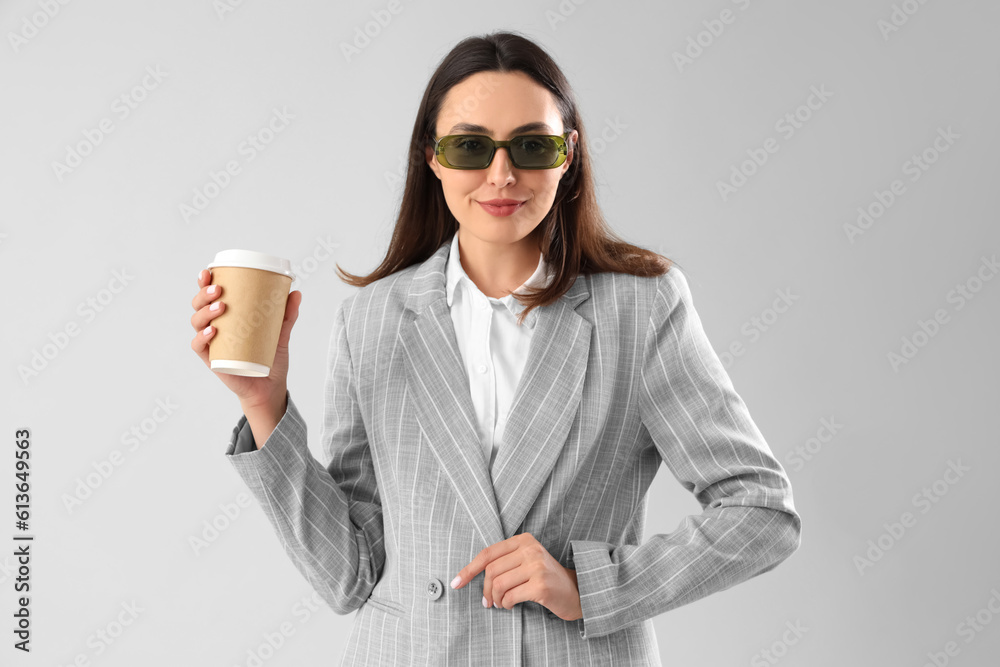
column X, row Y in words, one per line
column 620, row 377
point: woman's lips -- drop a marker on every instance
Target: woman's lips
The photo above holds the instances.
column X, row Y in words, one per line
column 501, row 210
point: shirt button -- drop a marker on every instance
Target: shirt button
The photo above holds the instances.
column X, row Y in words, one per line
column 481, row 368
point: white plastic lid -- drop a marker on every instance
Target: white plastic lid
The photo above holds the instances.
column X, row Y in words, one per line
column 248, row 259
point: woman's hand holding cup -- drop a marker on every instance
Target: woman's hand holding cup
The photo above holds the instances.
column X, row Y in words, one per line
column 256, row 394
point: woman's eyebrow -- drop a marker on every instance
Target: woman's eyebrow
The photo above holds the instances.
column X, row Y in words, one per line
column 479, row 129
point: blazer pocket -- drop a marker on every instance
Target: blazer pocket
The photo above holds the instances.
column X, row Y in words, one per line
column 389, row 607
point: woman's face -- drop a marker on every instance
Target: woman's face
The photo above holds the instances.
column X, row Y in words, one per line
column 500, row 103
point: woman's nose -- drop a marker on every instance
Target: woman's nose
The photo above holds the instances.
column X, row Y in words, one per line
column 501, row 168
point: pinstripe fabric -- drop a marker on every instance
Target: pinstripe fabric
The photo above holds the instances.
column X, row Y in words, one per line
column 620, row 377
column 493, row 347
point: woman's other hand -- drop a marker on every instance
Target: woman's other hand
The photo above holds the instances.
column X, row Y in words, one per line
column 520, row 569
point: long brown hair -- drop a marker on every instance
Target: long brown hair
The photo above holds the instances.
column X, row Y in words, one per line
column 575, row 238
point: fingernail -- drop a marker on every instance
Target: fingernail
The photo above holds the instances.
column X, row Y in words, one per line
column 214, row 306
column 456, row 581
column 207, row 330
column 211, row 289
column 484, row 602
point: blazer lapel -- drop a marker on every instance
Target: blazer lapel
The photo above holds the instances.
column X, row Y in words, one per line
column 544, row 406
column 542, row 411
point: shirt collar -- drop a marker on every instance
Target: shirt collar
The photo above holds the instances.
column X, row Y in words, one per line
column 454, row 273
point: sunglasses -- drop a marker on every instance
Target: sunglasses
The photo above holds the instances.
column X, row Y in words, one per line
column 476, row 151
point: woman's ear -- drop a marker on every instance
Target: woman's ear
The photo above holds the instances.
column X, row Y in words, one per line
column 571, row 147
column 432, row 161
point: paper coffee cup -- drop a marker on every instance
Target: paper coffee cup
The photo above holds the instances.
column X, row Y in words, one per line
column 255, row 289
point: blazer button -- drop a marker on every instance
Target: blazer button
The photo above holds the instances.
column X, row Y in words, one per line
column 434, row 589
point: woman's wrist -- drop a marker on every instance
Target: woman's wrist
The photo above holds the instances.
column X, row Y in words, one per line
column 273, row 405
column 263, row 418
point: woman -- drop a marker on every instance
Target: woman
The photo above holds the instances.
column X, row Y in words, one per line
column 504, row 444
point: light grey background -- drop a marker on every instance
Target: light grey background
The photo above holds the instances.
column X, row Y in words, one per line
column 326, row 190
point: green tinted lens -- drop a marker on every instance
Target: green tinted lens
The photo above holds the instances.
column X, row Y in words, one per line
column 467, row 151
column 534, row 152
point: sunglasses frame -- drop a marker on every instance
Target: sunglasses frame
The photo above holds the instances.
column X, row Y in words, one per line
column 562, row 146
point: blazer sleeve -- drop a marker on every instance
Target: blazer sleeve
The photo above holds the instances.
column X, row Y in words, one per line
column 706, row 437
column 328, row 518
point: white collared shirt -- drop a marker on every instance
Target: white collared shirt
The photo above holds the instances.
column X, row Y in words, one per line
column 492, row 345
